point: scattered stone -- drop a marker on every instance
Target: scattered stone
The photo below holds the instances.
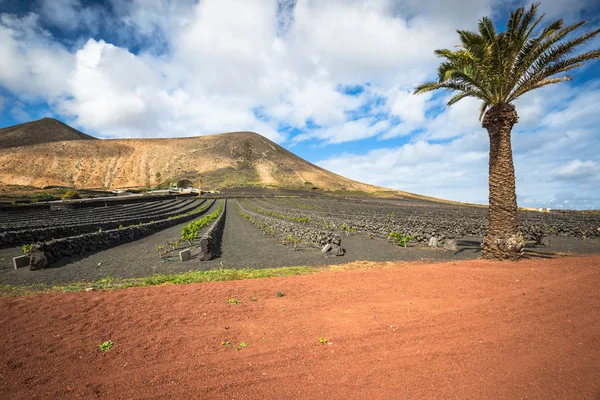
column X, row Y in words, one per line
column 433, row 242
column 21, row 261
column 338, row 250
column 450, row 244
column 185, row 255
column 326, row 248
column 89, row 289
column 38, row 261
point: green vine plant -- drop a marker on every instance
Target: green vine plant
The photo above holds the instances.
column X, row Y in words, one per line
column 173, row 244
column 161, row 251
column 348, row 229
column 190, row 231
column 397, row 237
column 291, row 240
column 27, row 248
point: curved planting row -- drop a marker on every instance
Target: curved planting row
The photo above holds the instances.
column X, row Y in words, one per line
column 190, row 231
column 12, row 238
column 100, row 214
column 44, row 254
column 425, row 222
column 292, row 233
column 210, row 243
column 29, row 215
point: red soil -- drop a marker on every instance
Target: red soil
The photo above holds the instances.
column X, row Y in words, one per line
column 474, row 330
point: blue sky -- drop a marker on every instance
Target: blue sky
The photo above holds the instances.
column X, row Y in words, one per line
column 331, row 80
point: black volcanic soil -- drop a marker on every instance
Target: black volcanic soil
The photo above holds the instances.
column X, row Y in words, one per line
column 45, row 130
column 245, row 246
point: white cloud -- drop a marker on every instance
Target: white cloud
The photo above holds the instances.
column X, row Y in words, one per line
column 18, row 112
column 458, row 120
column 578, row 170
column 347, row 132
column 230, row 61
column 558, row 161
column 422, row 167
column 38, row 66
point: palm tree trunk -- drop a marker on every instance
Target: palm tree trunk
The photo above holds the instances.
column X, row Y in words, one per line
column 504, row 239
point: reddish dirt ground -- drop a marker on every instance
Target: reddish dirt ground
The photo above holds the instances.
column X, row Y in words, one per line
column 470, row 330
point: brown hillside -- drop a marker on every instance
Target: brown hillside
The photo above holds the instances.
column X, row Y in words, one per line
column 45, row 130
column 223, row 160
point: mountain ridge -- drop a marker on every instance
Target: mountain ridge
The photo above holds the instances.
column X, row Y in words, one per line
column 214, row 161
column 41, row 131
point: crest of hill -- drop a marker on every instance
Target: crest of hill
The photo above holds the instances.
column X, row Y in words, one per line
column 45, row 130
column 49, row 153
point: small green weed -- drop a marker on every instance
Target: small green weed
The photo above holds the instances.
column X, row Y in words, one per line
column 161, row 250
column 234, row 301
column 399, row 238
column 348, row 229
column 241, row 346
column 106, row 346
column 280, row 294
column 322, row 340
column 27, row 248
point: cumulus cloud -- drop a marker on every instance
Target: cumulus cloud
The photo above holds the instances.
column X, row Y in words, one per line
column 546, row 170
column 422, row 167
column 577, row 170
column 283, row 57
column 38, row 66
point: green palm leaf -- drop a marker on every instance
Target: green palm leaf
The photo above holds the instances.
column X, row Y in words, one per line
column 500, row 67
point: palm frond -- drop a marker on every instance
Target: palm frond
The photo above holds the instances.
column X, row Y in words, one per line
column 427, row 87
column 499, row 67
column 469, row 39
column 545, row 82
column 487, row 30
column 547, row 72
column 553, row 64
column 458, row 97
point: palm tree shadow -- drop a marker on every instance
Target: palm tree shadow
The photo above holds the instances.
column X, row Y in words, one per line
column 468, row 245
column 532, row 254
column 531, row 251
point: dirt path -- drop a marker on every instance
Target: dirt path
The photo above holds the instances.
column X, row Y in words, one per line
column 474, row 330
column 244, row 245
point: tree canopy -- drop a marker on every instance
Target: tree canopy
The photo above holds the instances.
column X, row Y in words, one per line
column 500, row 67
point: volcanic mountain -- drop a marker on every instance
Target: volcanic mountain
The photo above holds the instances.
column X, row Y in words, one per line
column 36, row 132
column 50, row 153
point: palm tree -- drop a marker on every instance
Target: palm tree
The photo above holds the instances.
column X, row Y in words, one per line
column 498, row 68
